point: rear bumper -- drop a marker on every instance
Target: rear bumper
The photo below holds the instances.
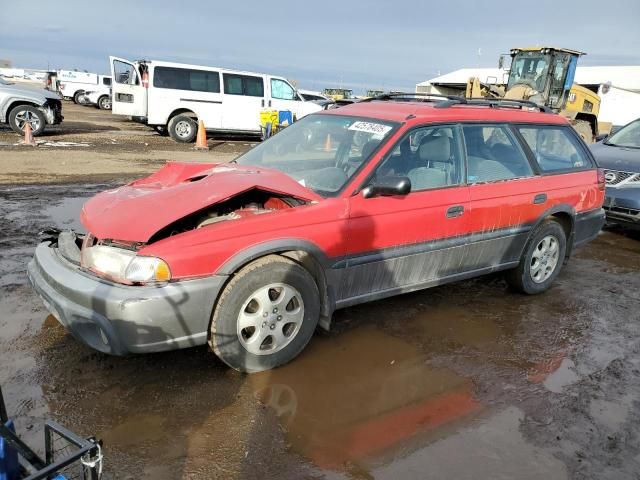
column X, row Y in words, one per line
column 121, row 319
column 587, row 226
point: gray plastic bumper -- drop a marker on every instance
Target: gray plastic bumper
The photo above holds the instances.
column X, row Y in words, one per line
column 120, row 319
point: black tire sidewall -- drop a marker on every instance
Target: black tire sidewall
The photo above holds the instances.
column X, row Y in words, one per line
column 76, row 97
column 14, row 126
column 547, row 228
column 226, row 343
column 172, row 125
column 100, row 100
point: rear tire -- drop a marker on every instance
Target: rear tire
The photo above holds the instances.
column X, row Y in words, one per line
column 265, row 316
column 541, row 260
column 76, row 97
column 20, row 115
column 584, row 130
column 104, row 102
column 183, row 129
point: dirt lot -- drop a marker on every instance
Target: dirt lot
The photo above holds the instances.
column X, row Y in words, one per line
column 94, row 145
column 464, row 381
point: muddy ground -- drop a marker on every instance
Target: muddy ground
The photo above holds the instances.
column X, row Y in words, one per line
column 94, row 145
column 464, row 381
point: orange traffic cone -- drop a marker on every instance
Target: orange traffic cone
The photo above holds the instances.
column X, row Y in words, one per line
column 327, row 143
column 201, row 139
column 28, row 135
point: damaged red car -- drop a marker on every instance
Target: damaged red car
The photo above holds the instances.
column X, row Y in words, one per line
column 346, row 206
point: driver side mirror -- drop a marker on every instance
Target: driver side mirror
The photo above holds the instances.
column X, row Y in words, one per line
column 387, row 186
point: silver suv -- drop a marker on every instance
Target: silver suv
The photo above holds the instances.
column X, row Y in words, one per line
column 21, row 105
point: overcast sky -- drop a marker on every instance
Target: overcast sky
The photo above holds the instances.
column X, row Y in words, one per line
column 358, row 44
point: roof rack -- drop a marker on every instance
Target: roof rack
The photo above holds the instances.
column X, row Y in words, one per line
column 493, row 103
column 445, row 101
column 416, row 97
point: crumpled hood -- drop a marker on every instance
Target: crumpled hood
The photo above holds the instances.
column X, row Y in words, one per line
column 134, row 212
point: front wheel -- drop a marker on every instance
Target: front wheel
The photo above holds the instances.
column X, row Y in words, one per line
column 23, row 114
column 183, row 129
column 266, row 315
column 541, row 261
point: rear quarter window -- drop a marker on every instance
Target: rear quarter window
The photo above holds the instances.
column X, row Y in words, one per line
column 556, row 149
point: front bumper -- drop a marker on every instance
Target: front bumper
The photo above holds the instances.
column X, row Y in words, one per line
column 622, row 205
column 121, row 319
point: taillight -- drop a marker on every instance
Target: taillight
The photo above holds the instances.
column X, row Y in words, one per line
column 602, row 182
column 62, row 86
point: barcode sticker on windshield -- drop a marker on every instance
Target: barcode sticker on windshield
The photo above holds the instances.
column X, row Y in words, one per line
column 369, row 127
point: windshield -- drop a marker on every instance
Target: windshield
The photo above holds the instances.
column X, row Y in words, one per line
column 529, row 68
column 322, row 152
column 627, row 136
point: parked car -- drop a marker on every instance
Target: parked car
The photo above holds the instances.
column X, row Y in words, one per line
column 619, row 155
column 310, row 95
column 176, row 96
column 100, row 99
column 72, row 85
column 22, row 105
column 345, row 206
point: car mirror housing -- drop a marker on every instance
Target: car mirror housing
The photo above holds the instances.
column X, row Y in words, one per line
column 387, row 186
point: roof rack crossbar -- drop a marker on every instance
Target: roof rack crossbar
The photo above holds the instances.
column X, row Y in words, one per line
column 445, row 101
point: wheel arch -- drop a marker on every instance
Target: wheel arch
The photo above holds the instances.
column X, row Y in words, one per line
column 182, row 111
column 17, row 103
column 305, row 253
column 565, row 215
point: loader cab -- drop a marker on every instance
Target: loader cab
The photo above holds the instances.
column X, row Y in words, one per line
column 544, row 75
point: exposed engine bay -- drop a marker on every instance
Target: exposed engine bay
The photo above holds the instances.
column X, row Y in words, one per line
column 247, row 204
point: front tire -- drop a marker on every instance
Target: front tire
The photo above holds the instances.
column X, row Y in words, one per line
column 541, row 261
column 183, row 129
column 23, row 114
column 265, row 316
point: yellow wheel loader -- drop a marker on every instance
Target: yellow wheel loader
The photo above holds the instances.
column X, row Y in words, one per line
column 544, row 75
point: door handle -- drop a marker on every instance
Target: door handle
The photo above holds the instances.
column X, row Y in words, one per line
column 455, row 211
column 540, row 198
column 269, row 102
column 263, row 102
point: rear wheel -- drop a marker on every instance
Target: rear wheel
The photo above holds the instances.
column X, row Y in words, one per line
column 541, row 261
column 265, row 316
column 23, row 114
column 104, row 102
column 183, row 129
column 584, row 130
column 77, row 96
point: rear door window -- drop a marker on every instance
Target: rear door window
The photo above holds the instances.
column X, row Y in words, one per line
column 243, row 85
column 186, row 79
column 106, row 81
column 555, row 149
column 494, row 154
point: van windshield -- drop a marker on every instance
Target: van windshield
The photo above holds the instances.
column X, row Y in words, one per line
column 321, row 152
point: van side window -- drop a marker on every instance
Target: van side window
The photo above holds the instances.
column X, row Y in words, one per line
column 186, row 79
column 125, row 73
column 493, row 154
column 555, row 148
column 243, row 85
column 106, row 81
column 430, row 157
column 281, row 90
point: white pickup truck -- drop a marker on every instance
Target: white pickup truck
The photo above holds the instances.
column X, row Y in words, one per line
column 72, row 85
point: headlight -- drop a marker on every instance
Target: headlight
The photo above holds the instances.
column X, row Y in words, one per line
column 125, row 266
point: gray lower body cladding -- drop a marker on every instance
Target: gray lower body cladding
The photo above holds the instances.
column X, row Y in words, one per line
column 121, row 319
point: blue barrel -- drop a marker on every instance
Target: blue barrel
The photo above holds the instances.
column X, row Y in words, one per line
column 285, row 116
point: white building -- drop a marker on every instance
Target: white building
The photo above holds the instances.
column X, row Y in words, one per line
column 620, row 103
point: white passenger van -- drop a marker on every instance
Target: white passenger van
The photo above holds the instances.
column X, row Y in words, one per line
column 175, row 96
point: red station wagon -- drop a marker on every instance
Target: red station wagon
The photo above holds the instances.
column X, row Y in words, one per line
column 378, row 198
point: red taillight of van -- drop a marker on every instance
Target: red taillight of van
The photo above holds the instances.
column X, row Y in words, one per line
column 602, row 181
column 62, row 86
